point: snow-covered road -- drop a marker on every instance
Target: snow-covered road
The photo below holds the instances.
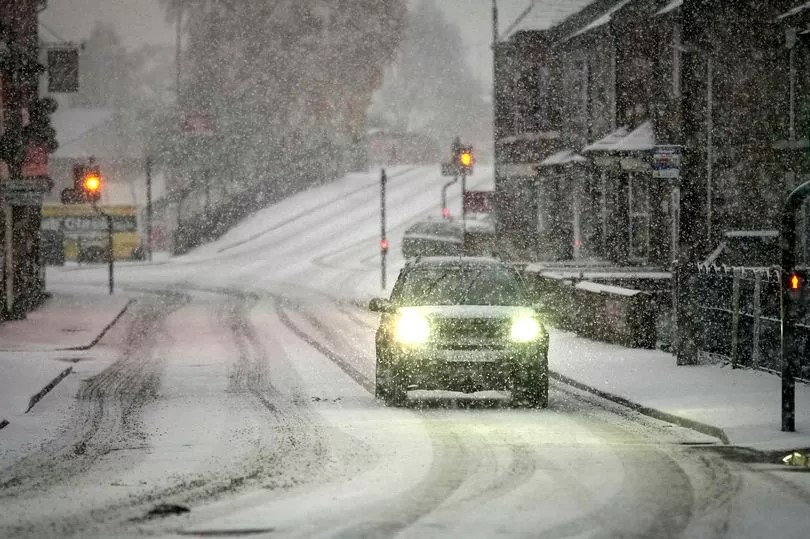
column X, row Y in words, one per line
column 240, row 386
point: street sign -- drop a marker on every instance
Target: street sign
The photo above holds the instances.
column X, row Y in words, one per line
column 35, row 163
column 199, row 123
column 666, row 162
column 20, row 193
column 63, row 70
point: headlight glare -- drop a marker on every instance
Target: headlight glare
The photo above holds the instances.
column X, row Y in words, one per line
column 412, row 328
column 525, row 329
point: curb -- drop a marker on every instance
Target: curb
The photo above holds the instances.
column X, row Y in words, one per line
column 702, row 428
column 45, row 390
column 100, row 336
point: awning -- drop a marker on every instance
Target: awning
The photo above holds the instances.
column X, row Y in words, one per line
column 605, row 18
column 670, row 7
column 542, row 16
column 562, row 158
column 530, row 137
column 640, row 139
column 795, row 11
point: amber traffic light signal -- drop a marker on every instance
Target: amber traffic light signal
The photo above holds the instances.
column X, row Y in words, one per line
column 87, row 185
column 91, row 184
column 465, row 160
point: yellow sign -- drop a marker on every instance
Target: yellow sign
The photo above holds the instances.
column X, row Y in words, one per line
column 85, row 231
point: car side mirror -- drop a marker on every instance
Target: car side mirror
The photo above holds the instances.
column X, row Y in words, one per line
column 379, row 305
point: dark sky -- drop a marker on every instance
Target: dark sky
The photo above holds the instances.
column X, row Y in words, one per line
column 141, row 21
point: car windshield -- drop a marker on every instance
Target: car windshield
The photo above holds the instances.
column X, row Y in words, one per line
column 459, row 286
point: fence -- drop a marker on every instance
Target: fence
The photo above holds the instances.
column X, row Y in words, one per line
column 740, row 318
column 599, row 311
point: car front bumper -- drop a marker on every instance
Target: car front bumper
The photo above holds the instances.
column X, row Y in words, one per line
column 471, row 370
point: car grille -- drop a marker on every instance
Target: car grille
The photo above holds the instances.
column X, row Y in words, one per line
column 470, row 333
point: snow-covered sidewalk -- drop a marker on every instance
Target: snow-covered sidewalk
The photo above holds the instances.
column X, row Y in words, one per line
column 37, row 351
column 745, row 404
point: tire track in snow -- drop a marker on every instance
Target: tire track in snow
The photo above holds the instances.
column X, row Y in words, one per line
column 108, row 412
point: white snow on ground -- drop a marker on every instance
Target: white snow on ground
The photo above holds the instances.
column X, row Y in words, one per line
column 745, row 403
column 36, row 350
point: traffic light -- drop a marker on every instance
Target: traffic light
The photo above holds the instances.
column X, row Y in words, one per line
column 87, row 185
column 465, row 160
column 797, row 285
column 384, row 245
column 39, row 131
column 91, row 185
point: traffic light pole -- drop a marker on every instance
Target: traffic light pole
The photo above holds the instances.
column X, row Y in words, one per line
column 110, row 249
column 383, row 239
column 445, row 212
column 790, row 306
column 463, row 205
column 149, row 207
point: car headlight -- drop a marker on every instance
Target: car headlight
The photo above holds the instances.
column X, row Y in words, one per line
column 411, row 328
column 525, row 329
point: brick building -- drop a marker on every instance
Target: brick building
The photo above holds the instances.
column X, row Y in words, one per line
column 580, row 107
column 20, row 272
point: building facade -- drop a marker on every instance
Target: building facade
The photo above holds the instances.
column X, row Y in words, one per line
column 583, row 107
column 23, row 177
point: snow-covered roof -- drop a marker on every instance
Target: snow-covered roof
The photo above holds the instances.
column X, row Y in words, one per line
column 544, row 14
column 603, row 19
column 752, row 234
column 599, row 288
column 795, row 11
column 608, row 142
column 674, row 4
column 73, row 125
column 640, row 139
column 530, row 137
column 562, row 158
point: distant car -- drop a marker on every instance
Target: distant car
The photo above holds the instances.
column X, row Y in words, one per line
column 747, row 248
column 433, row 238
column 463, row 325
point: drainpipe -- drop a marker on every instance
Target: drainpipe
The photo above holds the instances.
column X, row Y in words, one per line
column 709, row 145
column 790, row 43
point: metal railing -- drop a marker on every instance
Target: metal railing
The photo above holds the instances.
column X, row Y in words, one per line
column 740, row 318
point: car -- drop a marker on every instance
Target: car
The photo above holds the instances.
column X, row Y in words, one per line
column 433, row 238
column 463, row 325
column 747, row 248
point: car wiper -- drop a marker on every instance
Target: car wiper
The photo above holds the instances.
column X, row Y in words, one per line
column 434, row 284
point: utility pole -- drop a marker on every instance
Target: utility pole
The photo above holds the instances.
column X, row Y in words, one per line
column 383, row 239
column 149, row 206
column 494, row 22
column 178, row 47
column 14, row 132
column 693, row 230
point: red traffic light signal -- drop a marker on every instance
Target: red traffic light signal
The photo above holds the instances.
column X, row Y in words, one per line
column 446, row 213
column 384, row 245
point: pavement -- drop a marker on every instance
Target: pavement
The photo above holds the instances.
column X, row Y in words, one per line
column 741, row 407
column 38, row 352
